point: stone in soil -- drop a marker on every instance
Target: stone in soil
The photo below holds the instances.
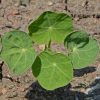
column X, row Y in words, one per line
column 12, row 94
column 24, row 2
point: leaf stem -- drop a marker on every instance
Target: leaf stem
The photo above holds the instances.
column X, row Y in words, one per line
column 49, row 44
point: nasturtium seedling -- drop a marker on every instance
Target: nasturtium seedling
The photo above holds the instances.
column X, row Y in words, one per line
column 52, row 70
column 51, row 26
column 17, row 51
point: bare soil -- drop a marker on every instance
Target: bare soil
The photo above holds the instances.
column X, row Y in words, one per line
column 17, row 14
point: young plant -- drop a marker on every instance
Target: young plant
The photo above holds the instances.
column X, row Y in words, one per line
column 52, row 69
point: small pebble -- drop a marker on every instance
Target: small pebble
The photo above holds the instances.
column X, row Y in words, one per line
column 83, row 4
column 50, row 3
column 11, row 86
column 4, row 91
column 76, row 19
column 12, row 95
column 82, row 90
column 26, row 79
column 24, row 2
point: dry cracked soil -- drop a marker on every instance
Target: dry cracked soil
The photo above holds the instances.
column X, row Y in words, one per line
column 17, row 14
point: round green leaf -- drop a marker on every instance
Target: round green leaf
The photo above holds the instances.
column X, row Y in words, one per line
column 53, row 70
column 83, row 52
column 51, row 26
column 76, row 39
column 17, row 51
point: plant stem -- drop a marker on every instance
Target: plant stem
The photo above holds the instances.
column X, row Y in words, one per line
column 45, row 47
column 49, row 45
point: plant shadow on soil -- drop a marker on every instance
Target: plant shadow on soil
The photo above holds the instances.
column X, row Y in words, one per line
column 86, row 70
column 36, row 92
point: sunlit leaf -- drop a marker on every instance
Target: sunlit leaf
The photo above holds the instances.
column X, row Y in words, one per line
column 17, row 51
column 84, row 50
column 53, row 70
column 51, row 26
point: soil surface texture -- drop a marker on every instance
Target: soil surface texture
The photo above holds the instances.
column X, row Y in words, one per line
column 17, row 14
